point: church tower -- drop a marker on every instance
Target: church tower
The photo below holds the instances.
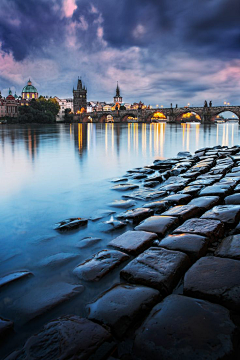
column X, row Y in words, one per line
column 117, row 98
column 79, row 97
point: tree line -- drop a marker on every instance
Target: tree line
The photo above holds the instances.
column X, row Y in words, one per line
column 39, row 110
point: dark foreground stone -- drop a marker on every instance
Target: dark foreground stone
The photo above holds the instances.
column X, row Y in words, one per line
column 67, row 338
column 195, row 246
column 101, row 264
column 158, row 224
column 178, row 199
column 9, row 278
column 158, row 268
column 232, row 199
column 71, row 224
column 87, row 242
column 229, row 247
column 122, row 305
column 215, row 279
column 213, row 229
column 125, row 187
column 133, row 242
column 184, row 328
column 6, row 326
column 122, row 204
column 228, row 214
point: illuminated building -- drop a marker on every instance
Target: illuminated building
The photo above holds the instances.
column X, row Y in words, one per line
column 64, row 104
column 79, row 98
column 29, row 91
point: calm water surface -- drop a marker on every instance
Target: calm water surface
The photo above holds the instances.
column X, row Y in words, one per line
column 49, row 173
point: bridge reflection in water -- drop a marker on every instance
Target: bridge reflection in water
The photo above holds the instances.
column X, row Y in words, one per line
column 151, row 138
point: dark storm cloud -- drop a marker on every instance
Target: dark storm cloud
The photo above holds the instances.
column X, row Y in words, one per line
column 155, row 48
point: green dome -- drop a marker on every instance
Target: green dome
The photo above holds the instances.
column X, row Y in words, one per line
column 29, row 88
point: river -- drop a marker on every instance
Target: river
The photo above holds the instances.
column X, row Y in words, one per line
column 49, row 173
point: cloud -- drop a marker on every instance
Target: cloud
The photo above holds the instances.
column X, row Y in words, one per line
column 159, row 51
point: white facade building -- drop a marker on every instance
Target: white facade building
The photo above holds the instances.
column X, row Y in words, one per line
column 64, row 104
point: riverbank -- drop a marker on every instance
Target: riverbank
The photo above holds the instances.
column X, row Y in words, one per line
column 179, row 257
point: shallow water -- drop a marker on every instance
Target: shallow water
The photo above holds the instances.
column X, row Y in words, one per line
column 52, row 172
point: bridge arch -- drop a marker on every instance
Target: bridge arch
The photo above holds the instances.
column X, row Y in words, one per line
column 157, row 115
column 215, row 114
column 87, row 119
column 127, row 116
column 189, row 115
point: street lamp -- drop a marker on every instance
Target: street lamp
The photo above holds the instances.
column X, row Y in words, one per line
column 161, row 106
column 188, row 104
column 228, row 103
column 225, row 103
column 157, row 106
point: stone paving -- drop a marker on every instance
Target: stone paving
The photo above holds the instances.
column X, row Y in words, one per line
column 178, row 290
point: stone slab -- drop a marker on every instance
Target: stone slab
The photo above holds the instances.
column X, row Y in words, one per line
column 133, row 242
column 205, row 202
column 122, row 204
column 158, row 268
column 215, row 279
column 232, row 199
column 9, row 278
column 228, row 214
column 191, row 189
column 125, row 187
column 229, row 247
column 157, row 206
column 183, row 212
column 6, row 326
column 87, row 242
column 39, row 300
column 195, row 246
column 184, row 328
column 215, row 190
column 121, row 306
column 71, row 224
column 158, row 224
column 213, row 229
column 99, row 265
column 178, row 199
column 145, row 195
column 136, row 215
column 68, row 337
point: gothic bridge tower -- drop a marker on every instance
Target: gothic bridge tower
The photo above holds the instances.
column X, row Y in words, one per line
column 117, row 98
column 79, row 98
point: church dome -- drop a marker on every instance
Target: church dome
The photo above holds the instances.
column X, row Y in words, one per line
column 29, row 88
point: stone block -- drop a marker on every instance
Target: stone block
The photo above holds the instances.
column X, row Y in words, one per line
column 158, row 224
column 158, row 268
column 205, row 202
column 183, row 212
column 228, row 214
column 229, row 247
column 215, row 279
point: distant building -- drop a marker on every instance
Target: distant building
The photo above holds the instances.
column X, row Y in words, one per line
column 9, row 105
column 64, row 104
column 29, row 91
column 79, row 98
column 107, row 107
column 117, row 98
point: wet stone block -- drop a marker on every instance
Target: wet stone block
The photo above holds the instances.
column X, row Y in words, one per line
column 71, row 224
column 133, row 242
column 68, row 337
column 145, row 195
column 215, row 190
column 213, row 229
column 9, row 278
column 229, row 247
column 151, row 184
column 158, row 224
column 192, row 190
column 157, row 206
column 158, row 268
column 125, row 187
column 120, row 307
column 100, row 214
column 215, row 279
column 228, row 214
column 204, row 182
column 122, row 204
column 57, row 259
column 195, row 246
column 178, row 199
column 39, row 300
column 136, row 215
column 6, row 326
column 119, row 180
column 111, row 225
column 101, row 264
column 232, row 199
column 205, row 202
column 183, row 212
column 184, row 328
column 172, row 187
column 87, row 242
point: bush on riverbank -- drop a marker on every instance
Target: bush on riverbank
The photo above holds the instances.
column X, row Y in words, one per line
column 39, row 111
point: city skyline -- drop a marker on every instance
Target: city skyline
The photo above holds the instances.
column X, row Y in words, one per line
column 179, row 52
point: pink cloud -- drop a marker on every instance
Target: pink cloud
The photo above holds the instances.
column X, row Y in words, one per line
column 69, row 6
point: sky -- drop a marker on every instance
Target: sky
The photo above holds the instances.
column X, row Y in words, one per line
column 160, row 51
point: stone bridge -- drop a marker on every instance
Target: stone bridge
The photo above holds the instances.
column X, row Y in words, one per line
column 173, row 115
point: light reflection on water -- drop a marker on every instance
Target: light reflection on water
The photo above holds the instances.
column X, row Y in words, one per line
column 50, row 173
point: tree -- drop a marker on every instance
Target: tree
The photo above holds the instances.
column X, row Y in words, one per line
column 40, row 111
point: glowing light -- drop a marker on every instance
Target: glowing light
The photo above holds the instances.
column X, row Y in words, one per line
column 158, row 115
column 161, row 106
column 228, row 103
column 225, row 103
column 190, row 114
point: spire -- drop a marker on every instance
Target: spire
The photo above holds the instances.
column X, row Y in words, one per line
column 117, row 90
column 10, row 92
